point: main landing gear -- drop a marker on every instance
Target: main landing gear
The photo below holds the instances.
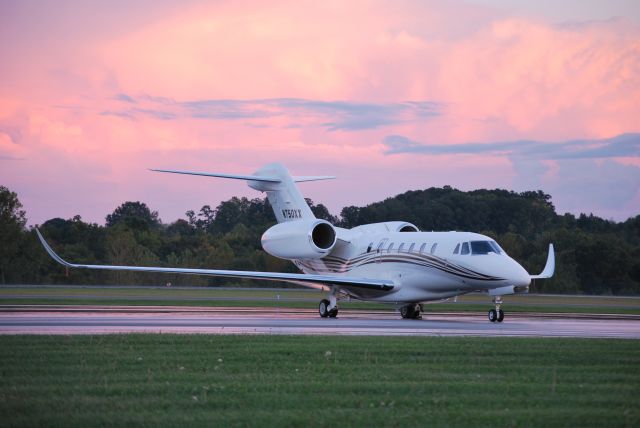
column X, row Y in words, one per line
column 412, row 311
column 324, row 310
column 497, row 314
column 329, row 308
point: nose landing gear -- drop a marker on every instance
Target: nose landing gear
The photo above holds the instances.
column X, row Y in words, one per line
column 497, row 314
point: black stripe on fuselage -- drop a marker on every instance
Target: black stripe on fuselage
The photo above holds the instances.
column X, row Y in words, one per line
column 333, row 264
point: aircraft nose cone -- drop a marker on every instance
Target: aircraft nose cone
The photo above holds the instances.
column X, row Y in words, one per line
column 519, row 276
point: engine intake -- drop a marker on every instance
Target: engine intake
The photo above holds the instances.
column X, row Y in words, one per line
column 323, row 236
column 302, row 239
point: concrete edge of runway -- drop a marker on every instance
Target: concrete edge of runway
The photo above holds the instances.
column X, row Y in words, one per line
column 246, row 310
column 83, row 320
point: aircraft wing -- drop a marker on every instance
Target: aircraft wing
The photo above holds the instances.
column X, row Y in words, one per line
column 296, row 278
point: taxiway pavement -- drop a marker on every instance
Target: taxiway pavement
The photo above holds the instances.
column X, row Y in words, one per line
column 306, row 322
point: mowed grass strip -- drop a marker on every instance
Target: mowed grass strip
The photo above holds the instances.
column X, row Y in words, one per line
column 208, row 380
column 295, row 298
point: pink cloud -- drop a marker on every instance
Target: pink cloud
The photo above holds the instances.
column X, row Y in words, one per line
column 530, row 75
column 91, row 117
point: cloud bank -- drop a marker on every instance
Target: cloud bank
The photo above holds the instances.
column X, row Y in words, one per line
column 620, row 146
column 387, row 95
column 332, row 115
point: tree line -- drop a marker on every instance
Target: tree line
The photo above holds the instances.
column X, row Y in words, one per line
column 593, row 255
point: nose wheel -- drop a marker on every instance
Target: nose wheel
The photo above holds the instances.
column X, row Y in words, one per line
column 497, row 314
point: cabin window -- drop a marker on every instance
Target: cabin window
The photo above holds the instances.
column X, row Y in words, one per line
column 433, row 248
column 424, row 244
column 381, row 244
column 457, row 249
column 411, row 247
column 401, row 247
column 369, row 247
column 390, row 247
column 465, row 248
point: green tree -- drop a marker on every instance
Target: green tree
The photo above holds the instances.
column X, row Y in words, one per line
column 12, row 222
column 136, row 215
column 79, row 242
column 593, row 255
column 320, row 211
column 123, row 249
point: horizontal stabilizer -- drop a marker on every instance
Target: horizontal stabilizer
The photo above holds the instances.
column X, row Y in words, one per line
column 296, row 278
column 313, row 178
column 216, row 174
column 549, row 267
column 247, row 177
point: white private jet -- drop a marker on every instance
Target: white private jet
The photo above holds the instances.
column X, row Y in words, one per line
column 390, row 262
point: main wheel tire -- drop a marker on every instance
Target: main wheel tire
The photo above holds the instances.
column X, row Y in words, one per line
column 417, row 312
column 406, row 312
column 333, row 313
column 500, row 315
column 493, row 315
column 323, row 308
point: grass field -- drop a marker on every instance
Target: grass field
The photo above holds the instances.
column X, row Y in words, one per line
column 293, row 298
column 171, row 380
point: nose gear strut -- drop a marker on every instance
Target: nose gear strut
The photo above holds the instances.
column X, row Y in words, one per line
column 497, row 314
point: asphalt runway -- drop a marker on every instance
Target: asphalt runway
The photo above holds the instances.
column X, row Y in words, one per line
column 106, row 320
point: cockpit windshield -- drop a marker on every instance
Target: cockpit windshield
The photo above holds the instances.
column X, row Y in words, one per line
column 485, row 247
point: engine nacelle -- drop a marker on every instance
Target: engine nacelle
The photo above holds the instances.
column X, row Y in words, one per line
column 301, row 239
column 387, row 226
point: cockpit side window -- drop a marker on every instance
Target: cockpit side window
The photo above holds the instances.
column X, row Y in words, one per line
column 465, row 248
column 457, row 249
column 496, row 247
column 482, row 247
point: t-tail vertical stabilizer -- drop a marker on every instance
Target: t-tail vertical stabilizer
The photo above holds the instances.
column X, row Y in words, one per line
column 285, row 198
column 273, row 179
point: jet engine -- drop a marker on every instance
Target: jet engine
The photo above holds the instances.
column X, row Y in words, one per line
column 387, row 226
column 300, row 239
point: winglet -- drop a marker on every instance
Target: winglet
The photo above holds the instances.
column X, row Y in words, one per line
column 51, row 252
column 549, row 267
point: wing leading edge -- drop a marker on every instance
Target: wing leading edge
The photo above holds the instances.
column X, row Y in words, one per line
column 296, row 278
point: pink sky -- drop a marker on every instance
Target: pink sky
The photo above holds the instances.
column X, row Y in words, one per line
column 388, row 96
